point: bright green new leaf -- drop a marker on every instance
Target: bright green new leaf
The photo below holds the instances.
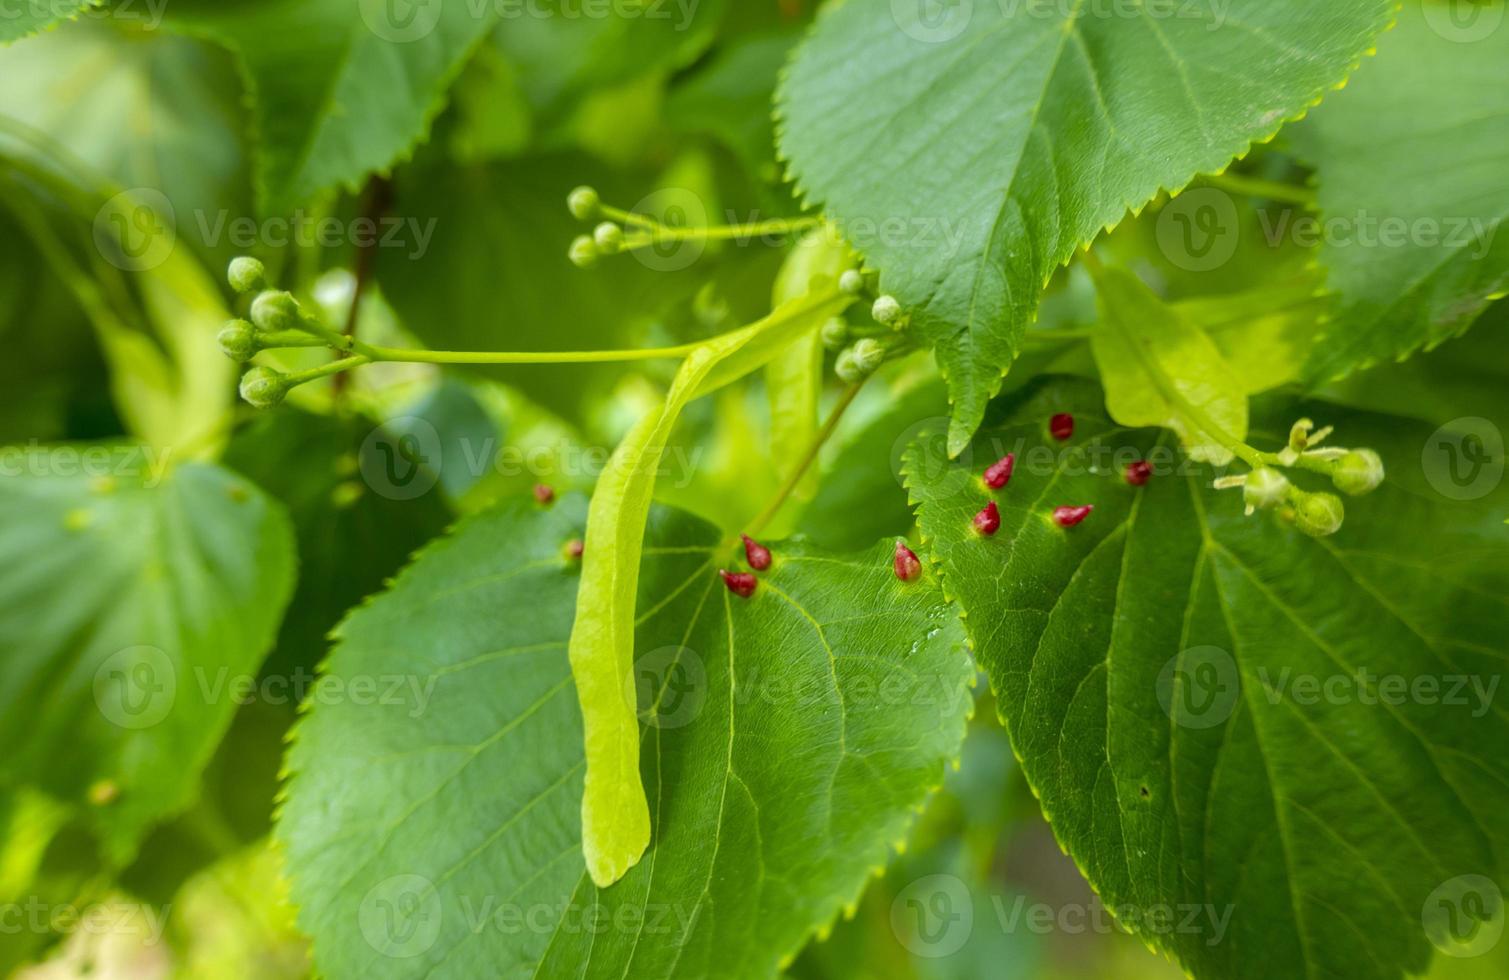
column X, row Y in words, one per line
column 1159, row 369
column 1291, row 746
column 340, row 88
column 1410, row 163
column 132, row 602
column 790, row 737
column 968, row 154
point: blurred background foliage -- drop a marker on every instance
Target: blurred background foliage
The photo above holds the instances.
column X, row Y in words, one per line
column 542, row 104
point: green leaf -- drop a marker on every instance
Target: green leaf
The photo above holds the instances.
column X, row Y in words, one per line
column 1159, row 369
column 1003, row 137
column 789, row 738
column 1414, row 256
column 29, row 18
column 340, row 88
column 126, row 606
column 1154, row 666
column 615, row 813
column 355, row 526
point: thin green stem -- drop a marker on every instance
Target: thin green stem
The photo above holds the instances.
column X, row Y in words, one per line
column 1257, row 187
column 665, row 233
column 325, row 370
column 523, row 357
column 808, row 458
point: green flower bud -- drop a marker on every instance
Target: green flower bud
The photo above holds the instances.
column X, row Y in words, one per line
column 274, row 311
column 1358, row 472
column 869, row 355
column 262, row 387
column 847, row 368
column 886, row 310
column 835, row 333
column 1264, row 488
column 246, row 274
column 583, row 252
column 852, row 282
column 238, row 339
column 609, row 238
column 583, row 203
column 1316, row 514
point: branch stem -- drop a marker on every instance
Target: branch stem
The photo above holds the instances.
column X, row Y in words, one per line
column 808, row 458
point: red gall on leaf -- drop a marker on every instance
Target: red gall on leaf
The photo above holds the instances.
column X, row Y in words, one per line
column 988, row 521
column 1061, row 426
column 998, row 475
column 574, row 548
column 1139, row 472
column 756, row 554
column 544, row 493
column 908, row 567
column 741, row 584
column 1070, row 516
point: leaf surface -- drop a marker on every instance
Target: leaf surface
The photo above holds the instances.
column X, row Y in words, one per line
column 1160, row 369
column 969, row 154
column 1181, row 684
column 126, row 608
column 1415, row 255
column 29, row 18
column 789, row 736
column 339, row 88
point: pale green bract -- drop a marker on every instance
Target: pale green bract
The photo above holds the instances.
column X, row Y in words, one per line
column 790, row 736
column 1274, row 756
column 341, row 88
column 1410, row 165
column 130, row 606
column 1156, row 366
column 968, row 155
column 615, row 814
